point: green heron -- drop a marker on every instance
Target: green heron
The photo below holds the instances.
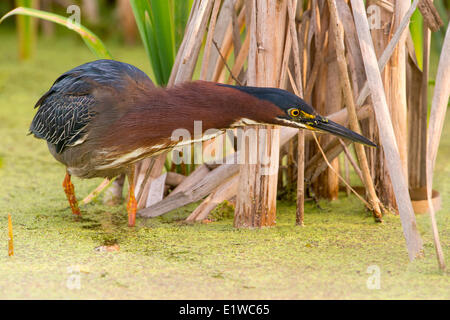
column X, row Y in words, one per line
column 102, row 117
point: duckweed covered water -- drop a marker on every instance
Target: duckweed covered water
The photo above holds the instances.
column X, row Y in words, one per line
column 55, row 255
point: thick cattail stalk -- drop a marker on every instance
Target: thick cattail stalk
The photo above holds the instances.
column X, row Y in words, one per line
column 338, row 31
column 387, row 136
column 257, row 190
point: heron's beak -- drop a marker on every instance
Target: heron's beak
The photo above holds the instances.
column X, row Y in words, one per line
column 322, row 124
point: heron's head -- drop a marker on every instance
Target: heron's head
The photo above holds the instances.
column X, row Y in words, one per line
column 295, row 112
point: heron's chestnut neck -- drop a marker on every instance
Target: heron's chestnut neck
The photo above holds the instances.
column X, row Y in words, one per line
column 219, row 106
column 154, row 115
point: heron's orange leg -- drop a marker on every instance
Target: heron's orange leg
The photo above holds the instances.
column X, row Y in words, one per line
column 132, row 203
column 69, row 189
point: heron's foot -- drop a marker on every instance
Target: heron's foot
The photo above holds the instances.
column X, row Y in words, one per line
column 69, row 189
column 132, row 209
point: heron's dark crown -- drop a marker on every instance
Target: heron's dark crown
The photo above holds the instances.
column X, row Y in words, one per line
column 281, row 98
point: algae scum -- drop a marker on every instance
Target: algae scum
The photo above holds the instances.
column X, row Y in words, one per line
column 100, row 257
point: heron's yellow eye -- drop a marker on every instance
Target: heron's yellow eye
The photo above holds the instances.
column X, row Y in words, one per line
column 294, row 112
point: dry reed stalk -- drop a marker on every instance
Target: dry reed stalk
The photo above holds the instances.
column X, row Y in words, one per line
column 291, row 7
column 327, row 184
column 207, row 54
column 195, row 192
column 197, row 175
column 316, row 22
column 298, row 87
column 318, row 61
column 376, row 157
column 209, row 39
column 94, row 194
column 174, row 179
column 240, row 59
column 282, row 83
column 149, row 172
column 430, row 15
column 417, row 118
column 341, row 116
column 235, row 27
column 221, row 31
column 256, row 198
column 417, row 114
column 386, row 5
column 398, row 88
column 223, row 192
column 226, row 48
column 231, row 39
column 300, row 210
column 355, row 62
column 412, row 236
column 353, row 119
column 381, row 35
column 193, row 40
column 203, row 181
column 302, row 38
column 436, row 123
column 389, row 49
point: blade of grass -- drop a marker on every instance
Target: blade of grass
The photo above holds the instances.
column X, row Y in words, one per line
column 436, row 123
column 164, row 33
column 89, row 38
column 139, row 8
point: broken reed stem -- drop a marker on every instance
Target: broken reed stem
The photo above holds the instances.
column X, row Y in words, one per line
column 338, row 31
column 368, row 205
column 10, row 237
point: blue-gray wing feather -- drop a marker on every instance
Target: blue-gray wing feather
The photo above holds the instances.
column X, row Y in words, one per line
column 62, row 119
column 67, row 108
